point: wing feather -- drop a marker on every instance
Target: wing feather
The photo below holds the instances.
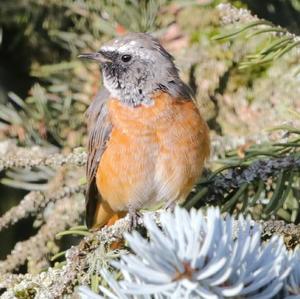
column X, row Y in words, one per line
column 99, row 128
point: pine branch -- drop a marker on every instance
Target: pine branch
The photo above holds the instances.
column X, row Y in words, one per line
column 66, row 213
column 260, row 179
column 283, row 41
column 34, row 202
column 289, row 231
column 30, row 157
column 192, row 255
column 60, row 281
column 56, row 282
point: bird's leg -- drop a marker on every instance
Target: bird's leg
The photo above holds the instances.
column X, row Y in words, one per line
column 134, row 215
column 170, row 206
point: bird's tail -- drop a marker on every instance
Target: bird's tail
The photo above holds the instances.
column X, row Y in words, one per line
column 104, row 215
column 98, row 211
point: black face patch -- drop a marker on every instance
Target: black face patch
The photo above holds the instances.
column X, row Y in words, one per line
column 114, row 70
column 117, row 67
column 112, row 55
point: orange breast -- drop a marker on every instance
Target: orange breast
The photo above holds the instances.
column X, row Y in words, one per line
column 154, row 153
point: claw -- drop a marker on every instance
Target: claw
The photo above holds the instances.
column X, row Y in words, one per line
column 171, row 206
column 133, row 219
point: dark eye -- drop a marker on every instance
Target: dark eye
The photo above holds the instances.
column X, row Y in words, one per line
column 126, row 58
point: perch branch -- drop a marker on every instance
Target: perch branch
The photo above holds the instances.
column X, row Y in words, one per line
column 55, row 282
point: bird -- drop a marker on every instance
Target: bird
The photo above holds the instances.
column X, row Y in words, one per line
column 147, row 141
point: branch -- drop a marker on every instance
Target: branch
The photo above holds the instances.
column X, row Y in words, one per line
column 13, row 156
column 231, row 15
column 284, row 42
column 289, row 231
column 55, row 282
column 20, row 157
column 35, row 201
column 36, row 248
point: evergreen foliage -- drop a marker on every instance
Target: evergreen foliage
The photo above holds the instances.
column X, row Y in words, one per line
column 238, row 89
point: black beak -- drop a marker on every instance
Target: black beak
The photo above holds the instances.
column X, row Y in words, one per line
column 95, row 56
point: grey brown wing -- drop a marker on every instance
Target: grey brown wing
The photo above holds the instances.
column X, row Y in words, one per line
column 99, row 128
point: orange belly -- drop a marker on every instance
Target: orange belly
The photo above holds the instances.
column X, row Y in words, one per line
column 154, row 153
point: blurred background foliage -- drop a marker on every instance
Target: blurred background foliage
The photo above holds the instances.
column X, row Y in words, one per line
column 245, row 73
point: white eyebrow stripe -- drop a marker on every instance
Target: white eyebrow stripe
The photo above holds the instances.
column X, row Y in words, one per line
column 129, row 49
column 108, row 48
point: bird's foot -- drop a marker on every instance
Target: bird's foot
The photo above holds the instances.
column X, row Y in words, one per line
column 170, row 206
column 133, row 219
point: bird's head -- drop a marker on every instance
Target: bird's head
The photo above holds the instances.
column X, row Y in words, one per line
column 135, row 66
